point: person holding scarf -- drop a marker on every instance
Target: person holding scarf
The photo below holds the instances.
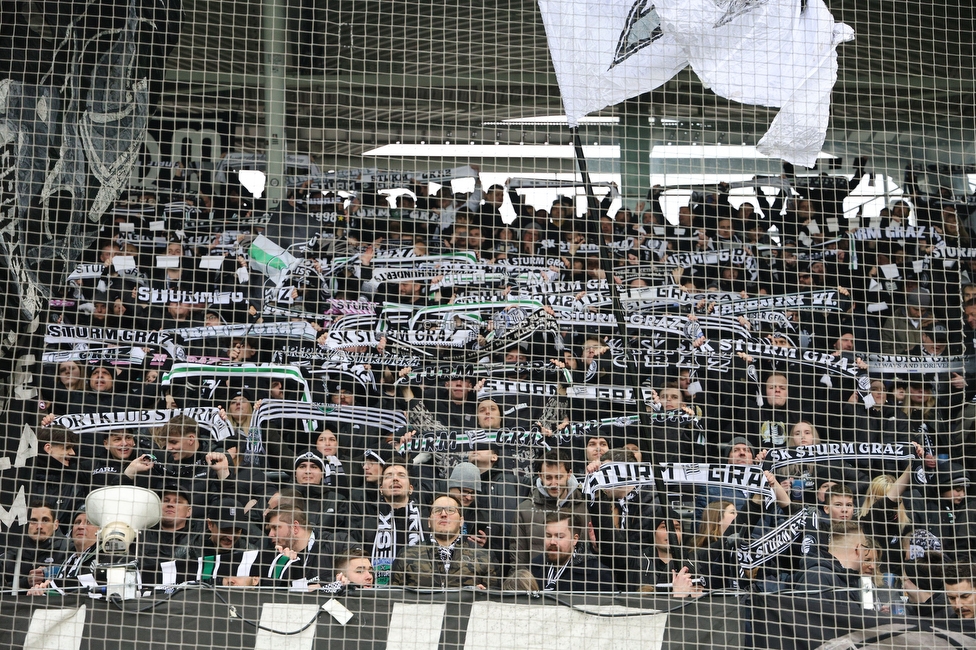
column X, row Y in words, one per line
column 398, row 522
column 623, row 520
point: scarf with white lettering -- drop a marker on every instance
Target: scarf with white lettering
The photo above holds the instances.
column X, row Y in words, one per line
column 385, row 542
column 93, row 423
column 777, row 541
column 827, row 452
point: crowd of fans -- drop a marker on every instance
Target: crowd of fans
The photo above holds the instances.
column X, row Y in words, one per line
column 497, row 342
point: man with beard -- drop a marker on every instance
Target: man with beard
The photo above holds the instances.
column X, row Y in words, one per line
column 398, row 522
column 226, row 525
column 448, row 561
column 83, row 538
column 960, row 591
column 566, row 565
column 556, row 489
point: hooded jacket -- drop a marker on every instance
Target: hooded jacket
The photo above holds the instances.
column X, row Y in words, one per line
column 528, row 533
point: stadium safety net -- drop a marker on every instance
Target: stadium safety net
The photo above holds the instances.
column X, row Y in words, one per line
column 442, row 325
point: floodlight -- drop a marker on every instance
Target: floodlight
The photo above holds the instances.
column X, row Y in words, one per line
column 121, row 512
column 253, row 180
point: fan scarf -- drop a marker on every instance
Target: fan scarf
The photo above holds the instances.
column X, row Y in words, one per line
column 385, row 542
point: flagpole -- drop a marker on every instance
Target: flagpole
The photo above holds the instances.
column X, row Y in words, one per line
column 592, row 221
column 592, row 228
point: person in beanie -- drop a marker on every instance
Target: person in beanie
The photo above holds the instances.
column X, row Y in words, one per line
column 327, row 508
column 464, row 485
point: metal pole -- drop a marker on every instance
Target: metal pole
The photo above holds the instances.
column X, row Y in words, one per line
column 593, row 226
column 274, row 35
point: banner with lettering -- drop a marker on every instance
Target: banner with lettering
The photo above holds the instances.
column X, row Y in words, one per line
column 832, row 451
column 209, row 418
column 776, row 542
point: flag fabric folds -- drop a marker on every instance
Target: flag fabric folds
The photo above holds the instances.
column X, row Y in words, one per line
column 777, row 53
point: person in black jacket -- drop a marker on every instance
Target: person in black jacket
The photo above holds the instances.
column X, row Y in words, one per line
column 53, row 474
column 327, row 507
column 566, row 565
column 960, row 589
column 41, row 550
column 847, row 559
column 623, row 520
column 178, row 536
column 713, row 557
column 501, row 494
column 921, row 580
column 949, row 513
column 660, row 563
column 227, row 528
column 109, row 464
column 303, row 558
column 190, row 460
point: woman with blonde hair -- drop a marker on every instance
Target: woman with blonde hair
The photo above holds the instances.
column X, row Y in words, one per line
column 883, row 515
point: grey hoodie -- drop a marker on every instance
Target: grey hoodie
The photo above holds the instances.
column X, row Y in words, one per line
column 528, row 534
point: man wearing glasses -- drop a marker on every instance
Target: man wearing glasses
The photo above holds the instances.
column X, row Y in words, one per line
column 447, row 561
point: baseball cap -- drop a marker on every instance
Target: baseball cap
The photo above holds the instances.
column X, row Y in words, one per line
column 227, row 514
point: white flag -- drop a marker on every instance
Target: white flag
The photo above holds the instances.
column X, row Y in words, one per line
column 769, row 53
column 606, row 51
column 763, row 52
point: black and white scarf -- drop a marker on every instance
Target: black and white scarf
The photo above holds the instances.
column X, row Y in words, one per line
column 446, row 553
column 385, row 542
column 554, row 573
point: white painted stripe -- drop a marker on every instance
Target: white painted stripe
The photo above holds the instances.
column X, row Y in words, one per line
column 541, row 627
column 56, row 629
column 415, row 627
column 283, row 618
